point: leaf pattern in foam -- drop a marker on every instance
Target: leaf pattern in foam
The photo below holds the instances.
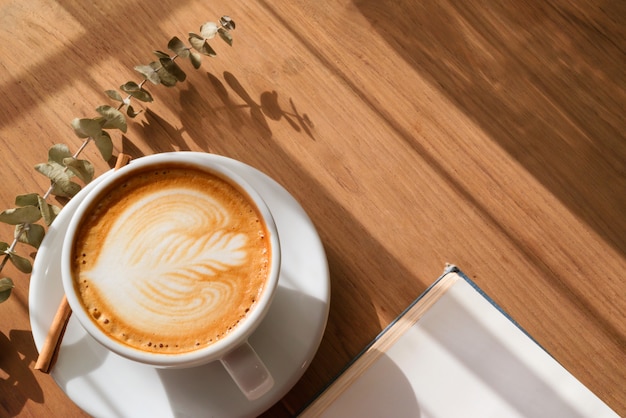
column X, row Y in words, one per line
column 173, row 265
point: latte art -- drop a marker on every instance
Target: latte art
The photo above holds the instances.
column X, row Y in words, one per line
column 171, row 260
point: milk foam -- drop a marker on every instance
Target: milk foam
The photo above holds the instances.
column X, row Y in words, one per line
column 170, row 264
column 151, row 263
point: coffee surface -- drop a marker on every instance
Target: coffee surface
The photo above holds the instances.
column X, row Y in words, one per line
column 171, row 260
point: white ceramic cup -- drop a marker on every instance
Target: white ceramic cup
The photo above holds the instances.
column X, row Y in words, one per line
column 233, row 350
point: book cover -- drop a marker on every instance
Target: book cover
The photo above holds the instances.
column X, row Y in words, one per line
column 453, row 352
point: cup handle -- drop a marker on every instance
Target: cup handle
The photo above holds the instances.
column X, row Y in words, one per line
column 248, row 371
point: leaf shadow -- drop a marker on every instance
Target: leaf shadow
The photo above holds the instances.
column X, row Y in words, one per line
column 17, row 378
column 214, row 117
column 152, row 127
column 230, row 111
column 270, row 108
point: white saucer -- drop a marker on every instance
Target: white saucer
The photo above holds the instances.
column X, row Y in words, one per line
column 104, row 384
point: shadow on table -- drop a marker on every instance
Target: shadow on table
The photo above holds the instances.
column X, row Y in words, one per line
column 543, row 79
column 225, row 119
column 222, row 115
column 17, row 353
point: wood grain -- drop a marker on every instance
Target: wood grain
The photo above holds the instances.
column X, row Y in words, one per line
column 488, row 135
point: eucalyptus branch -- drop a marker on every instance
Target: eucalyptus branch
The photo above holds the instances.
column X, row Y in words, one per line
column 62, row 166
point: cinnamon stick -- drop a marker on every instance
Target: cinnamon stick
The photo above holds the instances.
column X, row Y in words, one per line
column 122, row 160
column 51, row 345
column 48, row 352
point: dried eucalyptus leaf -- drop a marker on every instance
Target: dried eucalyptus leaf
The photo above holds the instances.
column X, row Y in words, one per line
column 149, row 73
column 178, row 47
column 82, row 168
column 48, row 212
column 22, row 264
column 54, row 171
column 30, row 199
column 55, row 210
column 129, row 87
column 6, row 286
column 86, row 128
column 57, row 153
column 104, row 145
column 196, row 59
column 167, row 79
column 31, row 234
column 48, row 169
column 130, row 112
column 65, row 188
column 113, row 118
column 142, row 95
column 202, row 46
column 226, row 36
column 208, row 30
column 161, row 54
column 16, row 216
column 115, row 95
column 60, row 179
column 171, row 67
column 4, row 247
column 227, row 22
column 208, row 50
column 196, row 41
column 175, row 45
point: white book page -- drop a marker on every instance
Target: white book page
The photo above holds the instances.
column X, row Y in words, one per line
column 464, row 358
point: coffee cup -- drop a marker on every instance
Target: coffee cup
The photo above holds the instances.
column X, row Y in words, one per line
column 173, row 261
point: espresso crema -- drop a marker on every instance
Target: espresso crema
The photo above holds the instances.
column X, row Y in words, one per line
column 171, row 260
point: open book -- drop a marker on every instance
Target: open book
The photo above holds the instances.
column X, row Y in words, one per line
column 454, row 353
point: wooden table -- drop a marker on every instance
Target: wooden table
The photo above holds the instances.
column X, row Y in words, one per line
column 413, row 133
